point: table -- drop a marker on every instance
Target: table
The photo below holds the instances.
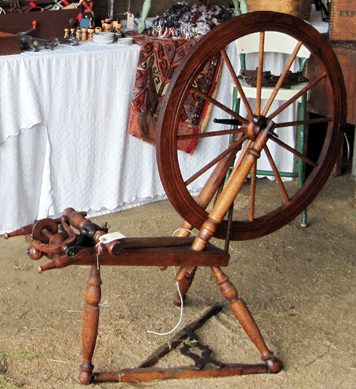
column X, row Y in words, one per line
column 63, row 121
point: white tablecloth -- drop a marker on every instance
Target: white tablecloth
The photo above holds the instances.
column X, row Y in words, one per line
column 63, row 123
column 63, row 135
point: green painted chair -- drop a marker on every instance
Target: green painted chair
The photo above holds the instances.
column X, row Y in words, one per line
column 276, row 42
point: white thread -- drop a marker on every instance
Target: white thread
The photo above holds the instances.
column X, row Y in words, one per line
column 347, row 145
column 180, row 295
column 181, row 314
column 183, row 229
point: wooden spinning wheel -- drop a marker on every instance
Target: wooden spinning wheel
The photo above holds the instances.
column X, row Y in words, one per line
column 223, row 176
column 251, row 136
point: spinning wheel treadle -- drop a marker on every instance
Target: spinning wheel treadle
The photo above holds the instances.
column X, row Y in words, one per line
column 257, row 221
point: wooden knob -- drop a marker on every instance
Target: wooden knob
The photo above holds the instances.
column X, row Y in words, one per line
column 74, row 218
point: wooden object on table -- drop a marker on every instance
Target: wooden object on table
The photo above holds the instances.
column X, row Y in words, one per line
column 50, row 24
column 298, row 8
column 9, row 44
column 84, row 34
column 343, row 20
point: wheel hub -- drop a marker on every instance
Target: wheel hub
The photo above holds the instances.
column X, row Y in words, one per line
column 258, row 124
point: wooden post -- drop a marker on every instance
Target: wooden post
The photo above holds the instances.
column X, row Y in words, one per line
column 245, row 319
column 90, row 324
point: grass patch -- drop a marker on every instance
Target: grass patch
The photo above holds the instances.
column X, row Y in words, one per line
column 19, row 354
column 6, row 355
column 8, row 383
column 6, row 307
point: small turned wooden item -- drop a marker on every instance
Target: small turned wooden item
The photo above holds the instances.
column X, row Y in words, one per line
column 106, row 25
column 117, row 25
column 78, row 34
column 72, row 33
column 90, row 34
column 84, row 34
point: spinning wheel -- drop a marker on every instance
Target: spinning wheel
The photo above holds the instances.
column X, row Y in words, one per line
column 252, row 133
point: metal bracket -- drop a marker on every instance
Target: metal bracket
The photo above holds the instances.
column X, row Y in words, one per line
column 205, row 358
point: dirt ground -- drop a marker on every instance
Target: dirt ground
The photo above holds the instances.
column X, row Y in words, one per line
column 299, row 284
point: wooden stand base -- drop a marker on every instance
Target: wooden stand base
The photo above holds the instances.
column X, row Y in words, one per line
column 147, row 374
column 157, row 374
column 161, row 252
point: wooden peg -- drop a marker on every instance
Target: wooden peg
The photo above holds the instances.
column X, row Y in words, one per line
column 84, row 34
column 90, row 34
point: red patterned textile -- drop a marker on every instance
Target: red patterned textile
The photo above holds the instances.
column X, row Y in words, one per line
column 159, row 59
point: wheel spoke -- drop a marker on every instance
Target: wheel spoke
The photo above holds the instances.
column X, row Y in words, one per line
column 211, row 134
column 260, row 73
column 294, row 151
column 297, row 95
column 253, row 192
column 303, row 122
column 237, row 83
column 219, row 105
column 213, row 183
column 282, row 78
column 276, row 174
column 233, row 147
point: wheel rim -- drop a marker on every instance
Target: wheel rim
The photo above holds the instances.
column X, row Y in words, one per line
column 189, row 207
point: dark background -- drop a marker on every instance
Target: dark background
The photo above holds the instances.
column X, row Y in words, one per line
column 102, row 7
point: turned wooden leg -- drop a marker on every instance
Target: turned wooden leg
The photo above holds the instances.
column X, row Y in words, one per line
column 184, row 278
column 90, row 324
column 245, row 319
